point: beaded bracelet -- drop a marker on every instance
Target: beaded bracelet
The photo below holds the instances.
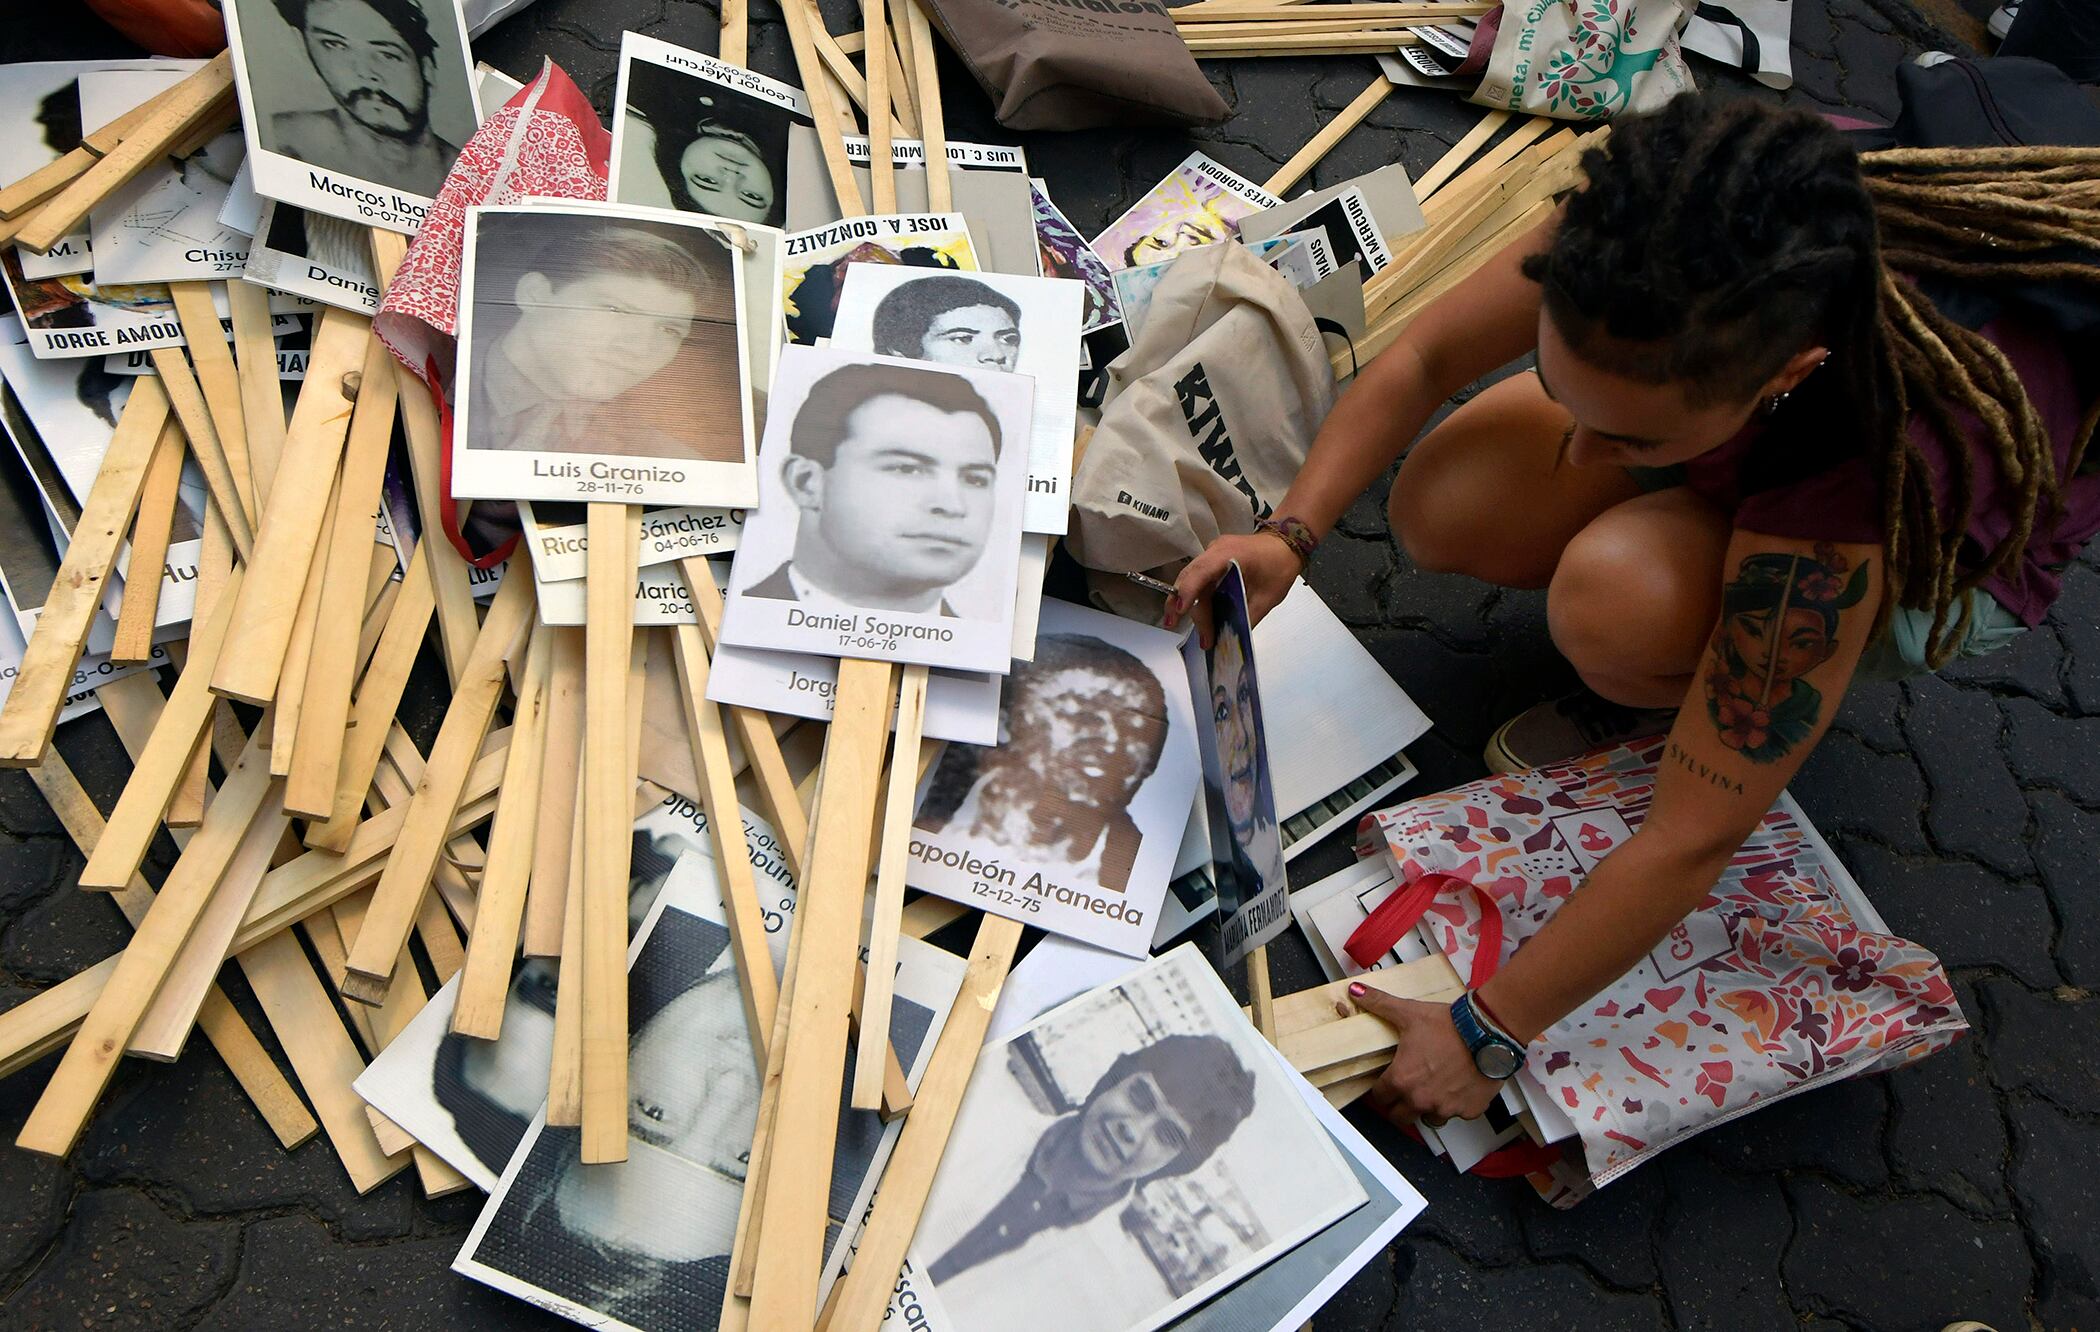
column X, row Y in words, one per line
column 1291, row 532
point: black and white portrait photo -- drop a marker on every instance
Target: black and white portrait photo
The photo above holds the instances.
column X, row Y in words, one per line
column 1142, row 1135
column 601, row 358
column 376, row 96
column 700, row 136
column 313, row 255
column 984, row 321
column 888, row 523
column 1088, row 786
column 645, row 1243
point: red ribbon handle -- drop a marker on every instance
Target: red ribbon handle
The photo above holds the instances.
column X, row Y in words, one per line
column 448, row 512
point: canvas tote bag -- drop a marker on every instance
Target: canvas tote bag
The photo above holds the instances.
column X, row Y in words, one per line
column 1584, row 59
column 1076, row 64
column 1208, row 418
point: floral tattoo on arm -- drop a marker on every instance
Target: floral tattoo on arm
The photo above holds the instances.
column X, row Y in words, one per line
column 1779, row 622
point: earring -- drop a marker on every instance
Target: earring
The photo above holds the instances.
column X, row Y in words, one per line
column 1773, row 403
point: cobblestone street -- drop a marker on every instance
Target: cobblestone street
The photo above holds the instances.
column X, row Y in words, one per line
column 1968, row 807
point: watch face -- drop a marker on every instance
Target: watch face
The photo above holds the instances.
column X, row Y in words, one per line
column 1497, row 1061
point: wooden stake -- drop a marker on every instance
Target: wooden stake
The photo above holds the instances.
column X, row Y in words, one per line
column 1374, row 14
column 900, row 799
column 46, row 673
column 262, row 394
column 332, row 661
column 457, row 622
column 926, row 98
column 1258, row 993
column 791, row 1228
column 1302, row 44
column 546, row 898
column 215, row 570
column 862, row 1296
column 190, row 408
column 822, row 107
column 290, row 704
column 882, row 169
column 394, row 783
column 754, row 729
column 268, row 602
column 1330, row 134
column 69, row 1098
column 204, row 99
column 930, row 914
column 149, row 548
column 423, row 835
column 378, row 699
column 608, row 795
column 220, row 382
column 47, row 180
column 485, row 988
column 734, row 33
column 1460, row 153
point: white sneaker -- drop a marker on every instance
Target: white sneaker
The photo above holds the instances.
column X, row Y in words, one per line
column 2002, row 19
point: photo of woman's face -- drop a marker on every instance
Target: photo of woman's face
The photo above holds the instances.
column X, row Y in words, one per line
column 1232, row 708
column 726, row 177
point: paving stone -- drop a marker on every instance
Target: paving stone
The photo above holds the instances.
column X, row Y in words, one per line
column 23, row 812
column 2027, row 665
column 1976, row 807
column 124, row 1263
column 1925, row 1265
column 1834, row 1129
column 2054, row 751
column 1478, row 1217
column 2046, row 1043
column 1611, row 1233
column 291, row 1275
column 1946, row 1133
column 1961, row 911
column 2065, row 844
column 1444, row 1290
column 2056, row 1198
column 1715, row 1245
column 1350, row 575
column 29, row 869
column 36, row 1188
column 1873, row 711
column 63, row 932
column 1846, row 787
column 2077, row 620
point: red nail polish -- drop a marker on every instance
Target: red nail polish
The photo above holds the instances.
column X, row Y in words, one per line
column 1357, row 989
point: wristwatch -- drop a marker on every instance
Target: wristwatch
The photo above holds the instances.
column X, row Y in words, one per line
column 1495, row 1054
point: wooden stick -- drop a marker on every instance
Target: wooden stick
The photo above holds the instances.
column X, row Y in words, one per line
column 800, row 24
column 546, row 898
column 45, row 677
column 378, row 699
column 1460, row 153
column 791, row 1227
column 883, row 927
column 394, row 783
column 565, row 1063
column 332, row 662
column 189, row 406
column 262, row 394
column 1307, row 24
column 227, row 1031
column 220, row 382
column 1307, row 44
column 423, row 836
column 862, row 1296
column 725, row 826
column 1330, row 134
column 82, row 1076
column 324, row 930
column 608, row 795
column 485, row 988
column 754, row 730
column 149, row 548
column 457, row 622
column 735, row 33
column 930, row 914
column 881, row 166
column 441, row 941
column 205, row 98
column 1371, row 14
column 893, row 1095
column 261, row 633
column 290, row 704
column 845, row 81
column 1262, row 1000
column 926, row 98
column 47, row 180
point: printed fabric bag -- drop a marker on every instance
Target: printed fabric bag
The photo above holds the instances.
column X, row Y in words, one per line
column 1782, row 980
column 1208, row 418
column 1078, row 64
column 1582, row 59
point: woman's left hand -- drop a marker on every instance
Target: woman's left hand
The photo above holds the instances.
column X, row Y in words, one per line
column 1432, row 1075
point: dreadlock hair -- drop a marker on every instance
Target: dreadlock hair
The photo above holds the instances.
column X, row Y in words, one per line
column 1718, row 237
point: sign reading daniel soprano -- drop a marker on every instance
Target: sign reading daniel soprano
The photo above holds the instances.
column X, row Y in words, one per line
column 889, row 513
column 601, row 358
column 355, row 108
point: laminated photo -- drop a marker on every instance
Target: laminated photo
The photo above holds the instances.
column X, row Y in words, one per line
column 1142, row 1134
column 1246, row 839
column 960, row 706
column 660, row 598
column 1065, row 254
column 40, row 113
column 889, row 517
column 602, row 358
column 68, row 317
column 558, row 539
column 471, row 1100
column 1387, row 193
column 1307, row 259
column 701, row 136
column 814, row 267
column 1072, row 820
column 993, row 321
column 646, row 1243
column 1351, row 231
column 314, row 255
column 355, row 108
column 162, row 225
column 1198, row 203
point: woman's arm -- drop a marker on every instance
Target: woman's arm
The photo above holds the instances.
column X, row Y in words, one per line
column 1745, row 727
column 1486, row 322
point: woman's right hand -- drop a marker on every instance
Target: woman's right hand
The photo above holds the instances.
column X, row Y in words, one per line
column 1267, row 565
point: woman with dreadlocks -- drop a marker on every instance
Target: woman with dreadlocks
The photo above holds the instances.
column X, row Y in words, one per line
column 1754, row 461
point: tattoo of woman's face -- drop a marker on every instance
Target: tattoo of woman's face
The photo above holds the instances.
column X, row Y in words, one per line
column 1779, row 622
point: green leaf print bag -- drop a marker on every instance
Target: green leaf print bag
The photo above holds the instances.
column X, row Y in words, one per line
column 1586, row 59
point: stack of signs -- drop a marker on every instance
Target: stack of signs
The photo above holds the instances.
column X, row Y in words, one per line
column 988, row 182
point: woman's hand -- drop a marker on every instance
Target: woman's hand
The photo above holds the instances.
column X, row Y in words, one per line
column 1268, row 566
column 1432, row 1075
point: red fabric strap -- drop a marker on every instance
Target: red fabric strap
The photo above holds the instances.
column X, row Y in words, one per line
column 448, row 512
